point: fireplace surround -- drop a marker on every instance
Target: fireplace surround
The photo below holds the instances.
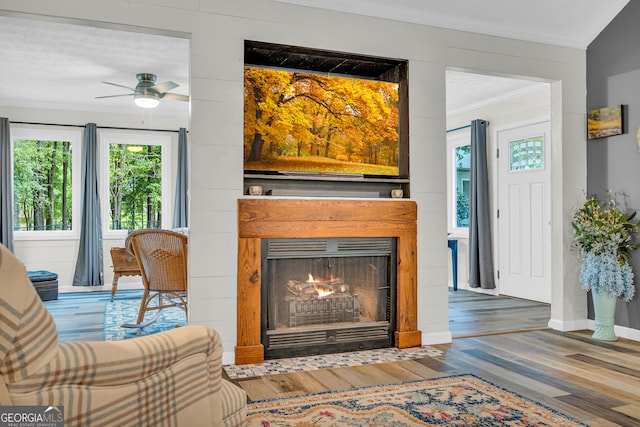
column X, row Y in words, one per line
column 271, row 218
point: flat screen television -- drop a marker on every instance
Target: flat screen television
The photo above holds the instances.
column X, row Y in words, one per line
column 317, row 123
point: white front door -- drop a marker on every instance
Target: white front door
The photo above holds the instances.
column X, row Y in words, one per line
column 524, row 203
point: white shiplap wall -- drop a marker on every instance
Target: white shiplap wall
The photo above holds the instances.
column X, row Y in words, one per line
column 218, row 28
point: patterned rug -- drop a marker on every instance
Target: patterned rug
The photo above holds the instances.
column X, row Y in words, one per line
column 463, row 400
column 126, row 311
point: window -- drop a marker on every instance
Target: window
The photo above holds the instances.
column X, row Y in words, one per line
column 458, row 181
column 46, row 182
column 135, row 181
column 525, row 154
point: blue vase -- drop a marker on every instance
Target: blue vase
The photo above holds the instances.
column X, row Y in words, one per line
column 604, row 306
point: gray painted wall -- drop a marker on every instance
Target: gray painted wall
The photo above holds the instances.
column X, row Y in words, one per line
column 613, row 77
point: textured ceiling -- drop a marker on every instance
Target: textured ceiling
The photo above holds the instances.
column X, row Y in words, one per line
column 57, row 65
column 61, row 66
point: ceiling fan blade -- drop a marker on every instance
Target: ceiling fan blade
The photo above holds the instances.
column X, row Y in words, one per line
column 174, row 97
column 113, row 96
column 116, row 84
column 164, row 87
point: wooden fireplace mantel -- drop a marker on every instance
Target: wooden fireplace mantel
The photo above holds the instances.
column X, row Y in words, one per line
column 305, row 218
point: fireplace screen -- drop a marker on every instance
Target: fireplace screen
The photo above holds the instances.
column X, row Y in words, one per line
column 327, row 295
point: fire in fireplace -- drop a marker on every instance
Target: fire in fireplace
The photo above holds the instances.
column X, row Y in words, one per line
column 319, row 301
column 327, row 295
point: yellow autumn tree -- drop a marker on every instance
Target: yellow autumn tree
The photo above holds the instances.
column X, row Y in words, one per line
column 301, row 115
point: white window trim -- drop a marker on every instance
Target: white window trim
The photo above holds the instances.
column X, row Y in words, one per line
column 455, row 139
column 49, row 133
column 106, row 139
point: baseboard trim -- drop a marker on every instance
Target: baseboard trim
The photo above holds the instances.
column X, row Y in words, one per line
column 571, row 325
column 436, row 338
column 588, row 324
column 621, row 331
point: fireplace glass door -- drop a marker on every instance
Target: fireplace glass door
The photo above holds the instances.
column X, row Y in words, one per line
column 327, row 295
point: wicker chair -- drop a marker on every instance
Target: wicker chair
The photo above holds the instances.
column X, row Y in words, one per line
column 162, row 257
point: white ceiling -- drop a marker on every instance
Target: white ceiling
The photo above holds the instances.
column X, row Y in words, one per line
column 61, row 66
column 56, row 65
column 572, row 23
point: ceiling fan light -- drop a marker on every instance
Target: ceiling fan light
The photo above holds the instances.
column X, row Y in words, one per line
column 146, row 100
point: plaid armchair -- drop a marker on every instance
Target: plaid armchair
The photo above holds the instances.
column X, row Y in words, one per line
column 172, row 378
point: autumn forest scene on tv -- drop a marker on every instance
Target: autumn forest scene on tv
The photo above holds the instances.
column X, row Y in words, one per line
column 315, row 123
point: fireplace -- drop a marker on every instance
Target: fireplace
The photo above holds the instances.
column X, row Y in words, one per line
column 327, row 295
column 266, row 218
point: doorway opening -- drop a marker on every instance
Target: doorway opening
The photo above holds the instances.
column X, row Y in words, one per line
column 506, row 103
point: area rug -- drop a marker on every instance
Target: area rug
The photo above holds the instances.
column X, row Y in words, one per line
column 463, row 400
column 126, row 311
column 324, row 361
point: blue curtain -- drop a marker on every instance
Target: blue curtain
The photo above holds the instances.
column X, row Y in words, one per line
column 480, row 254
column 6, row 186
column 89, row 271
column 181, row 201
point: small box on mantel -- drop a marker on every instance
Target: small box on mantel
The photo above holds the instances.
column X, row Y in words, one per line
column 46, row 284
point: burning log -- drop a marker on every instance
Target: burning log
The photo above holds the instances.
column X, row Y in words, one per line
column 319, row 301
column 317, row 288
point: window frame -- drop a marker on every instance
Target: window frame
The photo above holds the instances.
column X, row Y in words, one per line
column 53, row 133
column 105, row 140
column 456, row 139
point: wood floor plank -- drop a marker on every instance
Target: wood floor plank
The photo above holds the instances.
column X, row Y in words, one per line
column 259, row 389
column 597, row 410
column 377, row 374
column 407, row 370
column 622, row 386
column 330, row 379
column 473, row 314
column 355, row 377
column 305, row 383
column 557, row 372
column 631, row 410
column 494, row 370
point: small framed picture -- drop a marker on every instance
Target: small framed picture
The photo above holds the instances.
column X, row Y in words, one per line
column 605, row 122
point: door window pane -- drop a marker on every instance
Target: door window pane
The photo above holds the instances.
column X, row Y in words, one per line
column 526, row 154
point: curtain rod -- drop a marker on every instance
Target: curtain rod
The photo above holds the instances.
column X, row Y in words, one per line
column 460, row 128
column 98, row 127
column 464, row 127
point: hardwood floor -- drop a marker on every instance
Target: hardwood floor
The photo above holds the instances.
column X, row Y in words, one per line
column 473, row 314
column 79, row 316
column 505, row 341
column 595, row 382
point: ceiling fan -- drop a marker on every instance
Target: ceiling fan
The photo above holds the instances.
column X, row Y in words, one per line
column 147, row 94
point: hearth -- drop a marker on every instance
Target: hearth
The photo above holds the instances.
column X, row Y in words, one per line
column 327, row 295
